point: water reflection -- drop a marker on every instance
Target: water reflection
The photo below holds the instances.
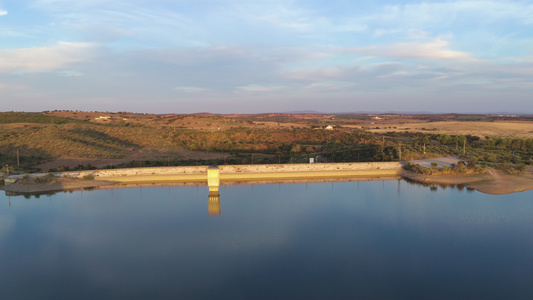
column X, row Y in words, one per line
column 213, row 207
column 214, row 185
column 435, row 186
column 362, row 240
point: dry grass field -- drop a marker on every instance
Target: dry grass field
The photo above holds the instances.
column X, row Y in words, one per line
column 445, row 124
column 510, row 129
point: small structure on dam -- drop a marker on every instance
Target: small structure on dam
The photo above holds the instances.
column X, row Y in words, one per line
column 213, row 178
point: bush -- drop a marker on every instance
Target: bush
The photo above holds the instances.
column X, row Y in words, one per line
column 434, row 164
column 88, row 177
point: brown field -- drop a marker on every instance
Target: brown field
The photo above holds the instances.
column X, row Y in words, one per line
column 510, row 129
column 435, row 124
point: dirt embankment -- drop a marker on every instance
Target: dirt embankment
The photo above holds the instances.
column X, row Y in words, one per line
column 492, row 182
column 53, row 184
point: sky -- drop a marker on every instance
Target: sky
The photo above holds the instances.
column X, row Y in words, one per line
column 245, row 56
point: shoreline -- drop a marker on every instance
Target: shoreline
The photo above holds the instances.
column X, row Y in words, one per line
column 490, row 183
column 198, row 175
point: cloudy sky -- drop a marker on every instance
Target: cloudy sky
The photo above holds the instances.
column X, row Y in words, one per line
column 244, row 56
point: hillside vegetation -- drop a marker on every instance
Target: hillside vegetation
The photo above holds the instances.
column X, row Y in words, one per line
column 72, row 139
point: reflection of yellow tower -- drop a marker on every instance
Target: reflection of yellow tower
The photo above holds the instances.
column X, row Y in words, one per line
column 213, row 207
column 213, row 181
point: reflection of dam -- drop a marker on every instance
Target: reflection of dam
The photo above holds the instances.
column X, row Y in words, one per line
column 213, row 181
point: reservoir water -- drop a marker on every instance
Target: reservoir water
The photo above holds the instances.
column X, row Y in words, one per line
column 341, row 240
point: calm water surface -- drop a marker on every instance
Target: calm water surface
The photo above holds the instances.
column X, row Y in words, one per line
column 366, row 240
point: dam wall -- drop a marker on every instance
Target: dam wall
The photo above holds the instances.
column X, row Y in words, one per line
column 243, row 172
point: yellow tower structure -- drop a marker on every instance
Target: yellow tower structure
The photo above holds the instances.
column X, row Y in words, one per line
column 213, row 179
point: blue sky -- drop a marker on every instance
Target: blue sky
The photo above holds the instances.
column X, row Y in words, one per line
column 236, row 56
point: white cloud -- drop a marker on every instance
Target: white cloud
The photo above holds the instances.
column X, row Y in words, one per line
column 318, row 73
column 108, row 21
column 328, row 85
column 3, row 12
column 190, row 89
column 436, row 50
column 257, row 88
column 11, row 87
column 446, row 13
column 40, row 59
column 62, row 4
column 70, row 73
column 281, row 14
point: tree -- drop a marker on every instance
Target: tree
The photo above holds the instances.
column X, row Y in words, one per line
column 425, row 140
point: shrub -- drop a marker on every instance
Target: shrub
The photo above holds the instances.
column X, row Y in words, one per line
column 88, row 177
column 434, row 164
column 521, row 167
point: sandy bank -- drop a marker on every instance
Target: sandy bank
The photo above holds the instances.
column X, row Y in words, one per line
column 59, row 184
column 446, row 179
column 494, row 183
